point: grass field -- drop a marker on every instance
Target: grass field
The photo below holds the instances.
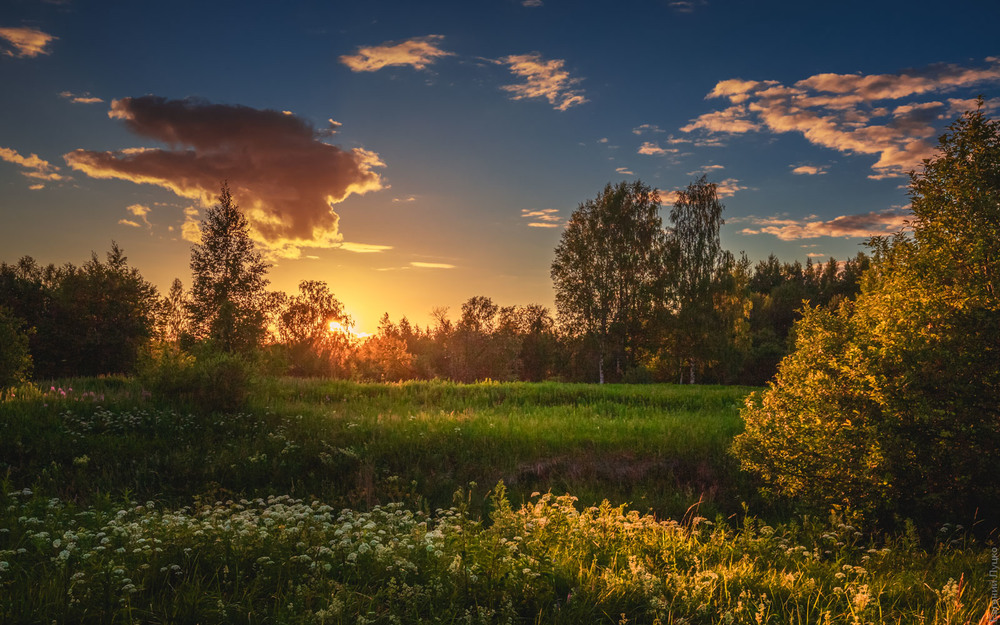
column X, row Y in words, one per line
column 335, row 502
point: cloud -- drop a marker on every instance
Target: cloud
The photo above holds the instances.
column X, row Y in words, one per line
column 543, row 79
column 706, row 169
column 25, row 42
column 418, row 53
column 544, row 218
column 36, row 168
column 808, row 170
column 128, row 222
column 279, row 171
column 423, row 265
column 190, row 230
column 894, row 117
column 141, row 212
column 363, row 248
column 863, row 226
column 729, row 187
column 649, row 148
column 83, row 98
column 732, row 120
column 686, row 6
column 531, row 3
column 405, row 199
column 726, row 188
column 644, row 128
column 625, row 171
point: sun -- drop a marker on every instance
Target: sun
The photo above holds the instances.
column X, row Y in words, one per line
column 338, row 327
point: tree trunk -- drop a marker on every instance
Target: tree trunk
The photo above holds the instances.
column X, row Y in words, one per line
column 692, row 370
column 600, row 369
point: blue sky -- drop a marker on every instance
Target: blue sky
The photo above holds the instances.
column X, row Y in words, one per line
column 415, row 154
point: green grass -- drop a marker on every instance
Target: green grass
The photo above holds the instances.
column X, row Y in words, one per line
column 335, row 502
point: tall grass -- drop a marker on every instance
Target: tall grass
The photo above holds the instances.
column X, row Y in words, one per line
column 332, row 502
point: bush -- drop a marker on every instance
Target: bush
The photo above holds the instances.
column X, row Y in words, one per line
column 15, row 359
column 889, row 405
column 211, row 382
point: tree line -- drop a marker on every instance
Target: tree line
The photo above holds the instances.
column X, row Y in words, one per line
column 636, row 302
column 883, row 371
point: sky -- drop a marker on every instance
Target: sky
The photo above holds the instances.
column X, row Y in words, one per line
column 415, row 154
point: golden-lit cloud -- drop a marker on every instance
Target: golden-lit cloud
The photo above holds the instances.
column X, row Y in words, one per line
column 140, row 211
column 422, row 265
column 129, row 222
column 649, row 148
column 35, row 167
column 726, row 188
column 25, row 42
column 362, row 248
column 729, row 187
column 808, row 170
column 544, row 218
column 625, row 171
column 543, row 79
column 80, row 98
column 864, row 225
column 731, row 120
column 280, row 172
column 417, row 53
column 852, row 113
column 190, row 229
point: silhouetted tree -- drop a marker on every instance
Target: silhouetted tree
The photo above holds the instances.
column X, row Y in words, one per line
column 304, row 327
column 228, row 296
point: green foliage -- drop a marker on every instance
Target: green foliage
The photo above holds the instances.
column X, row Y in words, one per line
column 212, row 382
column 888, row 405
column 89, row 320
column 608, row 271
column 228, row 297
column 15, row 359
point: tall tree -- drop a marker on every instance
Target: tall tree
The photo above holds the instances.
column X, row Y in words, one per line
column 608, row 271
column 701, row 271
column 228, row 296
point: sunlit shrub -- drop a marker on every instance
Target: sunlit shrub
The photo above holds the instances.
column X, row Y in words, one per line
column 210, row 382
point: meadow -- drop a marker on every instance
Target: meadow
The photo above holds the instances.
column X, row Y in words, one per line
column 340, row 502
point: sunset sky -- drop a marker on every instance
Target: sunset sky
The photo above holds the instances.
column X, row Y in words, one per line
column 414, row 154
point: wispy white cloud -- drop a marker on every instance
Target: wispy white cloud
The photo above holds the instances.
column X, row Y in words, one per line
column 81, row 98
column 864, row 225
column 25, row 42
column 851, row 113
column 546, row 79
column 686, row 6
column 418, row 53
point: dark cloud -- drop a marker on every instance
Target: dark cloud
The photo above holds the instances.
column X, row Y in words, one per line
column 279, row 170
